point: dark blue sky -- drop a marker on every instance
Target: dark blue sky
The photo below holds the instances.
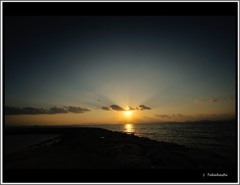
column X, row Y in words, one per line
column 174, row 64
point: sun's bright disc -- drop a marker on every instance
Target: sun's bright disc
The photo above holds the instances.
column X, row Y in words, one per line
column 128, row 113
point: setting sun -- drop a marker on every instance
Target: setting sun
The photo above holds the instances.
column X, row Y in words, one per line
column 128, row 113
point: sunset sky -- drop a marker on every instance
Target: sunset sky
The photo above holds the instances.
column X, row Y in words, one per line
column 91, row 69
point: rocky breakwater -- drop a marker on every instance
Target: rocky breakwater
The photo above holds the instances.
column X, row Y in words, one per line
column 95, row 148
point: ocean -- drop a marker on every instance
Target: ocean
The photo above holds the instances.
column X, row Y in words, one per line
column 219, row 137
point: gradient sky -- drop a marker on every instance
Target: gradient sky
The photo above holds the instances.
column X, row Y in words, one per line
column 87, row 69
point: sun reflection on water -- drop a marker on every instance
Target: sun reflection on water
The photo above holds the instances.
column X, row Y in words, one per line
column 129, row 128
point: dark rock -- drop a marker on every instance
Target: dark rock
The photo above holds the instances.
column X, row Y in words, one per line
column 95, row 148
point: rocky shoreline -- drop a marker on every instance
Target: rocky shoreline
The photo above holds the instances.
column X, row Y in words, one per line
column 96, row 148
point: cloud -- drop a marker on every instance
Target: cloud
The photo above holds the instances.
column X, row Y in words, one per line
column 34, row 111
column 106, row 108
column 214, row 100
column 163, row 115
column 143, row 107
column 148, row 118
column 207, row 101
column 168, row 116
column 77, row 109
column 183, row 116
column 179, row 116
column 130, row 108
column 117, row 108
column 57, row 110
column 25, row 110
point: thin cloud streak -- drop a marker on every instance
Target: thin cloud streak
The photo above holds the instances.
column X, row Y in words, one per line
column 35, row 111
column 194, row 117
column 214, row 100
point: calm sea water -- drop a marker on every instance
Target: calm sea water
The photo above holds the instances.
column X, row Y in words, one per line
column 219, row 137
